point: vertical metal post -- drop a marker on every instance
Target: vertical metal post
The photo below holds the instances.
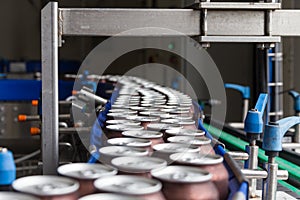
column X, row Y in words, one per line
column 50, row 87
column 297, row 131
column 270, row 183
column 252, row 163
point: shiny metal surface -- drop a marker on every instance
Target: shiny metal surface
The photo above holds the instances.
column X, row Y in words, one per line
column 16, row 196
column 210, row 163
column 109, row 196
column 49, row 40
column 252, row 164
column 47, row 187
column 185, row 183
column 131, row 185
column 138, row 165
column 110, row 152
column 86, row 174
column 270, row 183
column 107, row 22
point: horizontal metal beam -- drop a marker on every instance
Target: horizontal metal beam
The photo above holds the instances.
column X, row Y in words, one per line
column 240, row 39
column 108, row 22
column 240, row 5
column 222, row 25
column 233, row 22
column 286, row 22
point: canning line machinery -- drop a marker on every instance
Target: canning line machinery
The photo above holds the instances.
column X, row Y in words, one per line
column 263, row 23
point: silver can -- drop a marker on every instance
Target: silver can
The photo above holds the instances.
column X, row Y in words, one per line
column 48, row 187
column 110, row 152
column 145, row 188
column 154, row 136
column 163, row 151
column 210, row 163
column 185, row 183
column 137, row 165
column 86, row 174
column 117, row 129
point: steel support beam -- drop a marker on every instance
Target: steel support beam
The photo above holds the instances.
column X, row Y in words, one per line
column 108, row 22
column 50, row 88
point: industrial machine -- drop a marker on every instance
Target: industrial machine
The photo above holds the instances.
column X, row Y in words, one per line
column 68, row 119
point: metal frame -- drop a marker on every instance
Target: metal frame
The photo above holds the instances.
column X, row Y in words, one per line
column 213, row 22
column 50, row 88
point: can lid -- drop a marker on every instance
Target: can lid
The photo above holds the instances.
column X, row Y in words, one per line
column 86, row 170
column 16, row 196
column 130, row 142
column 138, row 164
column 109, row 196
column 126, row 184
column 137, row 108
column 123, row 151
column 185, row 122
column 178, row 111
column 123, row 121
column 123, row 127
column 45, row 185
column 169, row 121
column 152, row 113
column 181, row 174
column 163, row 126
column 143, row 134
column 143, row 118
column 175, row 147
column 185, row 132
column 119, row 106
column 119, row 115
column 197, row 141
column 120, row 110
column 182, row 117
column 196, row 158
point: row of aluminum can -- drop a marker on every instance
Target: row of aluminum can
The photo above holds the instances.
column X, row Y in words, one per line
column 151, row 150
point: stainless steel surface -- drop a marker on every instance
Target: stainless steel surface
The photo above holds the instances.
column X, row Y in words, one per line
column 254, row 174
column 291, row 145
column 252, row 164
column 235, row 23
column 240, row 5
column 49, row 40
column 247, row 39
column 270, row 183
column 286, row 23
column 93, row 97
column 107, row 22
column 238, row 155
